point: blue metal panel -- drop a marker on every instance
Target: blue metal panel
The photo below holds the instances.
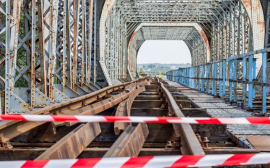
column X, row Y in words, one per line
column 230, row 83
column 235, row 78
column 202, row 80
column 179, row 75
column 197, row 75
column 213, row 81
column 200, row 77
column 220, row 79
column 224, row 77
column 193, row 77
column 208, row 80
column 189, row 75
column 254, row 76
column 214, row 89
column 244, row 78
column 250, row 79
column 264, row 81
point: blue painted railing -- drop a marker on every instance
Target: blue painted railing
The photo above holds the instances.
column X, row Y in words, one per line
column 206, row 77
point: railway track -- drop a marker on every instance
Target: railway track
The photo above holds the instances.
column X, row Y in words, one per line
column 144, row 97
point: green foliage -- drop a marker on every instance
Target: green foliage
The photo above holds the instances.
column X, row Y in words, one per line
column 142, row 70
column 155, row 69
column 141, row 76
column 21, row 55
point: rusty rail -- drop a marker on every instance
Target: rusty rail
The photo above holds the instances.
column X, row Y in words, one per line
column 124, row 108
column 67, row 147
column 101, row 105
column 11, row 129
column 130, row 142
column 183, row 130
column 70, row 146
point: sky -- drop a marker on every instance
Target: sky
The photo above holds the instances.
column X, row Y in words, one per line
column 164, row 51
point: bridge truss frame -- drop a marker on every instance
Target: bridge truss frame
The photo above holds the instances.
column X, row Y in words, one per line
column 232, row 27
column 61, row 49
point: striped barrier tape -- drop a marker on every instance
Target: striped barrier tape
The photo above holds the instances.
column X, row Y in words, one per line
column 146, row 162
column 190, row 120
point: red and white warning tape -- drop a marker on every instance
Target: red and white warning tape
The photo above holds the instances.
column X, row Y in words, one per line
column 190, row 120
column 147, row 162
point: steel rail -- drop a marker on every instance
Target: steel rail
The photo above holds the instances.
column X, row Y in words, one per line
column 124, row 108
column 67, row 147
column 11, row 129
column 183, row 130
column 73, row 144
column 107, row 103
column 130, row 142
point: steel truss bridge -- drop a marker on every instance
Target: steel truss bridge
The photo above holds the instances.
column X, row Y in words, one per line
column 54, row 50
column 79, row 57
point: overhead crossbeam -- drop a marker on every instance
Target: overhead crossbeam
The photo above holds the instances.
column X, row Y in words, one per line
column 191, row 33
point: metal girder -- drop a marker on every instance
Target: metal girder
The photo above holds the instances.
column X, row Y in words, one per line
column 169, row 10
column 48, row 52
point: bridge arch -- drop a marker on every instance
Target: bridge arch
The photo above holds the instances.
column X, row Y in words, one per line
column 199, row 46
column 190, row 33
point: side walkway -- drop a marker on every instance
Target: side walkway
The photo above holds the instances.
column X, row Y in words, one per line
column 218, row 108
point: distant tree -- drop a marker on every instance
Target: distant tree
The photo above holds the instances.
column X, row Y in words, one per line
column 152, row 66
column 142, row 70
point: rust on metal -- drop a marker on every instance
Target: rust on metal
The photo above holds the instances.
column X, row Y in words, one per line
column 102, row 105
column 229, row 150
column 70, row 146
column 130, row 142
column 16, row 129
column 11, row 129
column 2, row 63
column 124, row 108
column 206, row 42
column 76, row 9
column 183, row 130
column 261, row 143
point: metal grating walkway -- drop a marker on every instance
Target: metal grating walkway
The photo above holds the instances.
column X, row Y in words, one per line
column 218, row 108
